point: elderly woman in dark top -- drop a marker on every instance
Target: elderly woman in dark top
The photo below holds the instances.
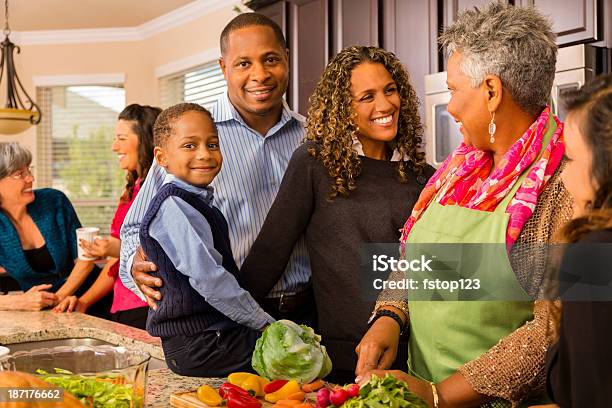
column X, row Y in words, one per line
column 37, row 232
column 501, row 187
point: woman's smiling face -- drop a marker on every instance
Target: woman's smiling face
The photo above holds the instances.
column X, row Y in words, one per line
column 376, row 103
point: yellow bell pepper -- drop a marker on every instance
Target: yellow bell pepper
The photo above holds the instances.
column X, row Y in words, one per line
column 248, row 382
column 209, row 396
column 238, row 378
column 253, row 386
column 286, row 390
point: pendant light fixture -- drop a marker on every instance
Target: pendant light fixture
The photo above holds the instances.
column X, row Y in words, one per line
column 19, row 112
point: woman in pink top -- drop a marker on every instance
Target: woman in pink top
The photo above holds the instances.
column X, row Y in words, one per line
column 134, row 145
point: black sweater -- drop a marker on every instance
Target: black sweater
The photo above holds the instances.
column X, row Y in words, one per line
column 579, row 364
column 334, row 232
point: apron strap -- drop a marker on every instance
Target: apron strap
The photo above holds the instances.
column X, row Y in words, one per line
column 552, row 127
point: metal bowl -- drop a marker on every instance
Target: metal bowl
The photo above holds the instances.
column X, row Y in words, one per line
column 109, row 364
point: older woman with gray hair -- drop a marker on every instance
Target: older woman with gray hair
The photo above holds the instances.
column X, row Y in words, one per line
column 37, row 236
column 501, row 186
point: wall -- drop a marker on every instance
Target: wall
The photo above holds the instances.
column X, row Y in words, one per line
column 137, row 60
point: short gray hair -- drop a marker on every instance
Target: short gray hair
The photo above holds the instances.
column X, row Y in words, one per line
column 516, row 44
column 13, row 157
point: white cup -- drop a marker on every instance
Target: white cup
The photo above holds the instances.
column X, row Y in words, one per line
column 88, row 234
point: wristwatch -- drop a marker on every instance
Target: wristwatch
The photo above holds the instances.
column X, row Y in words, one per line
column 383, row 312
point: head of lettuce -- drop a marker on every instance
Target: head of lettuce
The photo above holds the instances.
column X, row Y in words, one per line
column 288, row 351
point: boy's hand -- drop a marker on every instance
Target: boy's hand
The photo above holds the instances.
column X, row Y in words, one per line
column 141, row 269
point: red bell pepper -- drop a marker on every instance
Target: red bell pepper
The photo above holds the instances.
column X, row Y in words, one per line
column 228, row 388
column 274, row 386
column 236, row 400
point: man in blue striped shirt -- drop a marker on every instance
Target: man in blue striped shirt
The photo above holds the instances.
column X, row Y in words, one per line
column 258, row 134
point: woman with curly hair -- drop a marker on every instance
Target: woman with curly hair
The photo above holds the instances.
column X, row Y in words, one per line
column 352, row 182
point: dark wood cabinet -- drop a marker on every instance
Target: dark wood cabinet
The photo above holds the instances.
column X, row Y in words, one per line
column 574, row 21
column 308, row 48
column 453, row 7
column 354, row 22
column 410, row 30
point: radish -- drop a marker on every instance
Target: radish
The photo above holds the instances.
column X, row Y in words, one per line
column 323, row 398
column 338, row 396
column 353, row 390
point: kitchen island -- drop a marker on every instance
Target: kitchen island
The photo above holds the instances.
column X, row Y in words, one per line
column 20, row 327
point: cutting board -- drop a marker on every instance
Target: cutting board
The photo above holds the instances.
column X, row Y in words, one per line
column 189, row 399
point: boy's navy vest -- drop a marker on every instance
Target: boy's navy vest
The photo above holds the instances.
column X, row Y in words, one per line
column 182, row 309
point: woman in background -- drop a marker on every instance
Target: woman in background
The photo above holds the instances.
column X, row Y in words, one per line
column 134, row 146
column 38, row 238
column 579, row 373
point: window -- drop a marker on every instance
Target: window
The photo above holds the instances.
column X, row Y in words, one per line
column 74, row 148
column 201, row 85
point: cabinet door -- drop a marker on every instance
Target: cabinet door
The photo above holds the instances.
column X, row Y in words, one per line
column 354, row 22
column 574, row 21
column 308, row 48
column 410, row 30
column 453, row 7
column 277, row 12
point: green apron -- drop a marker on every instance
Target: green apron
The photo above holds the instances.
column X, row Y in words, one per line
column 446, row 334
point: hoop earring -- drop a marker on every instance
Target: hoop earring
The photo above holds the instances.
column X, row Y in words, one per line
column 492, row 129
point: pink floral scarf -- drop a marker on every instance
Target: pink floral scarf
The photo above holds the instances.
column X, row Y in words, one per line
column 464, row 180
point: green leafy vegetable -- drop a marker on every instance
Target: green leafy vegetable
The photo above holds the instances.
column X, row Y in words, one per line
column 103, row 391
column 287, row 351
column 385, row 392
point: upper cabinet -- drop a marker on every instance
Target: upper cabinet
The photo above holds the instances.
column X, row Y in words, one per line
column 308, row 36
column 574, row 21
column 354, row 22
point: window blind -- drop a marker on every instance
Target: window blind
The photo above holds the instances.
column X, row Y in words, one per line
column 202, row 85
column 74, row 149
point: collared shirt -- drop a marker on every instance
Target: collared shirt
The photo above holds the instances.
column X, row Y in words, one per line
column 245, row 189
column 186, row 238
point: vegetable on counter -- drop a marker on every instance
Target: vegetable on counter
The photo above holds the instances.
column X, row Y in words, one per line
column 285, row 391
column 290, row 351
column 104, row 391
column 235, row 400
column 388, row 392
column 323, row 398
column 209, row 396
column 228, row 388
column 252, row 383
column 313, row 386
column 274, row 386
column 338, row 396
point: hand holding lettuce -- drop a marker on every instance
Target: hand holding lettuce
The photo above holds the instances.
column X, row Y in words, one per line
column 290, row 351
column 385, row 392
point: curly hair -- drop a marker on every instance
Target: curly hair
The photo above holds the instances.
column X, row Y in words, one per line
column 142, row 118
column 332, row 127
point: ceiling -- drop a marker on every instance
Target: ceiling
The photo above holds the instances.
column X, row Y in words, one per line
column 34, row 15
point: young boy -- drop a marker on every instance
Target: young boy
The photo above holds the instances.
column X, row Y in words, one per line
column 208, row 324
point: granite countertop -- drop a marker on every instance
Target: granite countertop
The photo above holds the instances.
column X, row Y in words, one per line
column 20, row 327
